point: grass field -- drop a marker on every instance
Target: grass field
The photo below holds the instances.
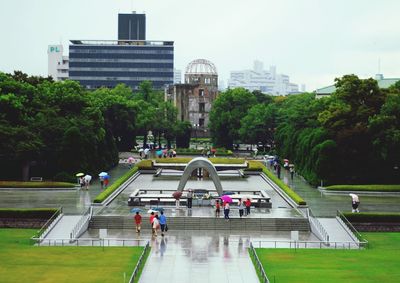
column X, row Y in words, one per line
column 379, row 263
column 22, row 262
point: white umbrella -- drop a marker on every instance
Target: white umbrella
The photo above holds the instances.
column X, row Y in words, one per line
column 152, row 210
column 354, row 197
column 140, row 150
column 102, row 174
column 87, row 178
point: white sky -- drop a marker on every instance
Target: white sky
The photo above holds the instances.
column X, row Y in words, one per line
column 311, row 41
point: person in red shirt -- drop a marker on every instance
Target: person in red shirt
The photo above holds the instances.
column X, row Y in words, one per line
column 152, row 215
column 247, row 203
column 138, row 221
column 217, row 208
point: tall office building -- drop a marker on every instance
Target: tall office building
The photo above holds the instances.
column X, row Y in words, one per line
column 106, row 63
column 58, row 64
column 265, row 81
column 131, row 26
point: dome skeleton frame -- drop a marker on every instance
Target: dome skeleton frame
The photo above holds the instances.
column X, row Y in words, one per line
column 201, row 66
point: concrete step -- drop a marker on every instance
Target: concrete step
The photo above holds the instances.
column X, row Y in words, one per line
column 204, row 223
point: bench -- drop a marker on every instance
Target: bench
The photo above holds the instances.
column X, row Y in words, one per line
column 37, row 179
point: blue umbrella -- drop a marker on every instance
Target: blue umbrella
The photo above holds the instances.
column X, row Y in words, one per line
column 158, row 209
column 106, row 177
column 159, row 152
column 135, row 209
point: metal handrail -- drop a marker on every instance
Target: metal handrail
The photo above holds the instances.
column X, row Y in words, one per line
column 82, row 221
column 352, row 229
column 258, row 264
column 317, row 225
column 139, row 263
column 307, row 244
column 48, row 223
column 99, row 242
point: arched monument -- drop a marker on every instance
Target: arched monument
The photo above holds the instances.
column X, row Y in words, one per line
column 204, row 163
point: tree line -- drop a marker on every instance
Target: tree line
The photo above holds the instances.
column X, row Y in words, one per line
column 350, row 137
column 56, row 129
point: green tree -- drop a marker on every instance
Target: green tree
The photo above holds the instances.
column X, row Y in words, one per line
column 227, row 111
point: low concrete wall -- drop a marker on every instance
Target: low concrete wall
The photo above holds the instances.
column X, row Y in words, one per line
column 376, row 226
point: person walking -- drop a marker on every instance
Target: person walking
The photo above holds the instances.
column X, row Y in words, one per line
column 217, row 208
column 247, row 204
column 163, row 223
column 189, row 198
column 101, row 182
column 138, row 221
column 278, row 170
column 291, row 170
column 82, row 182
column 241, row 207
column 226, row 211
column 355, row 202
column 156, row 225
column 152, row 215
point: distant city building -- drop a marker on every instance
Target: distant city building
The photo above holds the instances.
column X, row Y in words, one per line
column 194, row 98
column 58, row 64
column 106, row 63
column 132, row 26
column 265, row 81
column 177, row 76
column 382, row 83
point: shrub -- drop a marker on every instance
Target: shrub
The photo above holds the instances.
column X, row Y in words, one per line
column 368, row 188
column 145, row 165
column 17, row 184
column 23, row 213
column 214, row 160
column 104, row 194
column 292, row 194
column 64, row 177
column 373, row 217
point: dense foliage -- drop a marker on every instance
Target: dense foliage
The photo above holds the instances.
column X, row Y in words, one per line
column 364, row 188
column 56, row 129
column 351, row 137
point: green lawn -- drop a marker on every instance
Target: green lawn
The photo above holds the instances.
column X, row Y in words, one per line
column 379, row 263
column 22, row 262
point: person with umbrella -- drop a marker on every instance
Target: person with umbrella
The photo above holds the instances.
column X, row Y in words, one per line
column 226, row 200
column 355, row 202
column 87, row 180
column 138, row 221
column 155, row 225
column 163, row 223
column 241, row 207
column 101, row 177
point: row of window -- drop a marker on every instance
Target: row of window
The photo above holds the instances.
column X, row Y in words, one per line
column 133, row 84
column 121, row 65
column 111, row 78
column 120, row 56
column 143, row 70
column 120, row 47
column 124, row 60
column 118, row 51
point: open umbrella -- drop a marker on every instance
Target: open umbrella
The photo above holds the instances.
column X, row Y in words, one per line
column 135, row 209
column 152, row 210
column 80, row 174
column 286, row 160
column 291, row 165
column 102, row 174
column 106, row 177
column 226, row 198
column 177, row 195
column 131, row 159
column 87, row 178
column 354, row 197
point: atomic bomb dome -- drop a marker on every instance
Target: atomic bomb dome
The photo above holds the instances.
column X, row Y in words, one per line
column 201, row 66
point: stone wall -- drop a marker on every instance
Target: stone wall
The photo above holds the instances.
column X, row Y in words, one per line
column 22, row 223
column 376, row 226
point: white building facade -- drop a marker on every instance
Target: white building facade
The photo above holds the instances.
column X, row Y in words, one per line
column 177, row 76
column 265, row 81
column 58, row 65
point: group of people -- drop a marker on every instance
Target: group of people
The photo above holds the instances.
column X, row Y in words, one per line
column 243, row 206
column 157, row 223
column 104, row 182
column 84, row 183
column 144, row 153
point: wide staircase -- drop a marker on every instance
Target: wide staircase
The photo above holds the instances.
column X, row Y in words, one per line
column 204, row 223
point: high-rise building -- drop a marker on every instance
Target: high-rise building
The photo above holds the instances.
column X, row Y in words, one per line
column 58, row 64
column 177, row 76
column 265, row 81
column 131, row 26
column 106, row 63
column 194, row 98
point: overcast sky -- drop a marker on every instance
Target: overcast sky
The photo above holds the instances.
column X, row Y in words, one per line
column 312, row 41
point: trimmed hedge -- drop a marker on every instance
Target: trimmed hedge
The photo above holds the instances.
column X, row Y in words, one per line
column 292, row 194
column 21, row 213
column 366, row 188
column 373, row 217
column 16, row 184
column 255, row 166
column 145, row 165
column 108, row 191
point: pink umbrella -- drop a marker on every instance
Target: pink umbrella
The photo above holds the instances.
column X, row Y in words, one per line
column 226, row 198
